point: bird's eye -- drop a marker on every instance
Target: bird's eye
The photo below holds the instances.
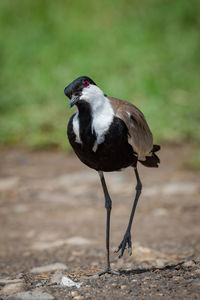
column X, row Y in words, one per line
column 86, row 83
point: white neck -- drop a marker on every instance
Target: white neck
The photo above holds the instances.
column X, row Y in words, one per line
column 93, row 95
column 102, row 112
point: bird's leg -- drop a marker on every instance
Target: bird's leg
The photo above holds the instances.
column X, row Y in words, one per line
column 108, row 206
column 127, row 236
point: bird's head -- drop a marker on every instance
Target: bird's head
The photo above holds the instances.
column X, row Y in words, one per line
column 83, row 89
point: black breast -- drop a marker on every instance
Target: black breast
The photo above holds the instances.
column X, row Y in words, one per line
column 113, row 154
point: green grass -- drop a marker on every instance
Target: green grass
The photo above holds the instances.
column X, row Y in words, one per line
column 144, row 51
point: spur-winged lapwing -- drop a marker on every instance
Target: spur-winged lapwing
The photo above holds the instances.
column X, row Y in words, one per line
column 108, row 134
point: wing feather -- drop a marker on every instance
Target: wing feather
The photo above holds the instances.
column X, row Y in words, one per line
column 140, row 136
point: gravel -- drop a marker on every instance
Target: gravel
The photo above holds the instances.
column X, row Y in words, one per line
column 52, row 221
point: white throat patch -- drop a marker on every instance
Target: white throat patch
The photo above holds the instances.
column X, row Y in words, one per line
column 76, row 128
column 102, row 112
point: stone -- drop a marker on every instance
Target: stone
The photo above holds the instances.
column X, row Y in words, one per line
column 48, row 268
column 31, row 295
column 188, row 264
column 74, row 293
column 66, row 281
column 123, row 287
column 160, row 263
column 114, row 284
column 12, row 288
column 56, row 278
column 177, row 278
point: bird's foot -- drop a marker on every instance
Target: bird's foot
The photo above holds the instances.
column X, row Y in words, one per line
column 123, row 245
column 105, row 271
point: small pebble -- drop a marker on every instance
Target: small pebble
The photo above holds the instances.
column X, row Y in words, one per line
column 114, row 284
column 160, row 263
column 66, row 281
column 123, row 287
column 188, row 264
column 74, row 293
column 177, row 278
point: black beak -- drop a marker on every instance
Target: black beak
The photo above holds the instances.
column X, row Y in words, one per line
column 73, row 100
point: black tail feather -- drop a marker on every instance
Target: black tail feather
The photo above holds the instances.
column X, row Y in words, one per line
column 156, row 148
column 153, row 160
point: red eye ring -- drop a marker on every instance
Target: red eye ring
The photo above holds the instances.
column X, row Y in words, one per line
column 86, row 83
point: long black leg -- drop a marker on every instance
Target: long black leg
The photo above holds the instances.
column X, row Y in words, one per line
column 127, row 236
column 108, row 206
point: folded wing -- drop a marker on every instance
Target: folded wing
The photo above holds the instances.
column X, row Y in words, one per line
column 140, row 136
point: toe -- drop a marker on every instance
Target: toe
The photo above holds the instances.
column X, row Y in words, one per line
column 125, row 242
column 130, row 251
column 122, row 249
column 129, row 246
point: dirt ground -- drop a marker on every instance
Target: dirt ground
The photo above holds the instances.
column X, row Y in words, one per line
column 52, row 223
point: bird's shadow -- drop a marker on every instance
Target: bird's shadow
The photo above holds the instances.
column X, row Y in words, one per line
column 151, row 269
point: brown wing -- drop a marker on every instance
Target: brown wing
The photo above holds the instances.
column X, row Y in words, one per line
column 140, row 136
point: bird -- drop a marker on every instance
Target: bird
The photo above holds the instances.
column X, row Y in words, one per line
column 109, row 134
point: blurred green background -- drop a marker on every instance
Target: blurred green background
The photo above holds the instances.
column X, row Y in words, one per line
column 146, row 52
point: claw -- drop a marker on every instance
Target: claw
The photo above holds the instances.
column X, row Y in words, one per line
column 130, row 251
column 126, row 241
column 129, row 246
column 115, row 250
